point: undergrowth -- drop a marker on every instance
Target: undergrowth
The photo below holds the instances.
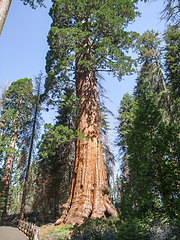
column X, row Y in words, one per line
column 115, row 229
column 57, row 233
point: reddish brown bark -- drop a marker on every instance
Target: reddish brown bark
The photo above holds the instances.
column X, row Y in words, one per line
column 7, row 171
column 89, row 194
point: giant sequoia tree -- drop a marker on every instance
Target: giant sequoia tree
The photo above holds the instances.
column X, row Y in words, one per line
column 16, row 113
column 86, row 37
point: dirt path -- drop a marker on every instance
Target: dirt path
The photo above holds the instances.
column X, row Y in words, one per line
column 11, row 233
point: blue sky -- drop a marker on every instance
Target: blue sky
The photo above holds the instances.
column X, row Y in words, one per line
column 23, row 47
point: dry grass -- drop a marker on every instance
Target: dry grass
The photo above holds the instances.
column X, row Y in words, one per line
column 54, row 232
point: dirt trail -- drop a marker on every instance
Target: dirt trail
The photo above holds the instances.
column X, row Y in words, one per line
column 11, row 233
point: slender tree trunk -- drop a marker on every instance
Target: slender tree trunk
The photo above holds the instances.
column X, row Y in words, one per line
column 29, row 163
column 7, row 172
column 25, row 188
column 4, row 8
column 89, row 194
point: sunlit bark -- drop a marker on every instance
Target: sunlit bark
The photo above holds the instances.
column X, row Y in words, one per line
column 7, row 172
column 89, row 194
column 4, row 8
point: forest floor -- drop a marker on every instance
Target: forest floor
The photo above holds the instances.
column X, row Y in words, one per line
column 47, row 231
column 53, row 231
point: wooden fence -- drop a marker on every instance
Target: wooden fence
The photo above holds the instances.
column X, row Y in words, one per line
column 29, row 229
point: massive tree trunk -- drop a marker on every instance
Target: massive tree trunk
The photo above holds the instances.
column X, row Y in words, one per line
column 89, row 194
column 7, row 172
column 4, row 8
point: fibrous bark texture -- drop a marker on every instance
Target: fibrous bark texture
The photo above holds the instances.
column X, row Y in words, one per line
column 89, row 194
column 4, row 8
column 7, row 172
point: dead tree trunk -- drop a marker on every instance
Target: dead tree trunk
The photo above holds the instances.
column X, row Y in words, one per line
column 35, row 119
column 29, row 163
column 4, row 8
column 89, row 194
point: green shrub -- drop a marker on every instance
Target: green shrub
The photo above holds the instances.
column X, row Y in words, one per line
column 98, row 229
column 131, row 230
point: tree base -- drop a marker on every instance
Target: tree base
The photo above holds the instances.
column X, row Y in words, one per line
column 76, row 213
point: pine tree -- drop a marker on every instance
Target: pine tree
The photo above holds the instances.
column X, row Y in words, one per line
column 123, row 184
column 153, row 145
column 125, row 123
column 151, row 140
column 172, row 59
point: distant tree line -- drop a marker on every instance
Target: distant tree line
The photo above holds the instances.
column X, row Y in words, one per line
column 148, row 131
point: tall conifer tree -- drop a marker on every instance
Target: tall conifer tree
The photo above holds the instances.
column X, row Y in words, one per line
column 86, row 37
column 152, row 141
column 16, row 113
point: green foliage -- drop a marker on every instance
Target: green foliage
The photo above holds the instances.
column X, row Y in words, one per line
column 125, row 120
column 109, row 228
column 2, row 199
column 152, row 161
column 96, row 229
column 172, row 67
column 15, row 191
column 149, row 134
column 17, row 102
column 93, row 35
column 20, row 117
column 54, row 151
column 87, row 38
column 67, row 107
column 34, row 3
column 131, row 230
column 56, row 155
column 150, row 56
column 16, row 113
